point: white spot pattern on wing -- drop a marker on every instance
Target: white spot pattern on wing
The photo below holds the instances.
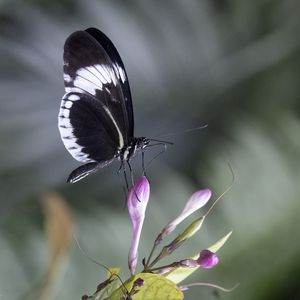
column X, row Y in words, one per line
column 120, row 72
column 67, row 78
column 92, row 78
column 64, row 113
column 66, row 129
column 85, row 85
column 73, row 97
column 68, row 104
column 104, row 71
column 65, row 123
column 88, row 74
column 70, row 89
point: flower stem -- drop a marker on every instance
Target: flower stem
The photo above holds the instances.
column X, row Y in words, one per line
column 149, row 258
column 156, row 243
column 154, row 261
column 172, row 265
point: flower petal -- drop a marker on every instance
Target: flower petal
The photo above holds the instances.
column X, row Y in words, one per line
column 196, row 201
column 137, row 201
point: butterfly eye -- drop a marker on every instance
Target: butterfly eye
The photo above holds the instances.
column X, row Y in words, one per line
column 145, row 143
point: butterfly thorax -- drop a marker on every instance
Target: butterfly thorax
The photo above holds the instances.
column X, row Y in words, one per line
column 133, row 147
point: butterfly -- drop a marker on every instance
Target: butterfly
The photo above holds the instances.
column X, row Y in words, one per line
column 95, row 120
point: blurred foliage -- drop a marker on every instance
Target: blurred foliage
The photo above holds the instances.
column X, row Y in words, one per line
column 234, row 65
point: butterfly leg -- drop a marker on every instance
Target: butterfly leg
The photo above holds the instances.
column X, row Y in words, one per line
column 131, row 172
column 132, row 177
column 123, row 179
column 123, row 167
column 143, row 164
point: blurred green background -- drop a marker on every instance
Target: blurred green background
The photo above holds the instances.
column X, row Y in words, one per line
column 231, row 64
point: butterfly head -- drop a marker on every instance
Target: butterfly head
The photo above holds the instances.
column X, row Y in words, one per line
column 141, row 143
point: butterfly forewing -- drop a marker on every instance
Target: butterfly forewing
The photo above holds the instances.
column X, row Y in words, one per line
column 94, row 120
column 113, row 54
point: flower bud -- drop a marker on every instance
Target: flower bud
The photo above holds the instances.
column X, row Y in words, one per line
column 196, row 201
column 139, row 282
column 137, row 201
column 207, row 259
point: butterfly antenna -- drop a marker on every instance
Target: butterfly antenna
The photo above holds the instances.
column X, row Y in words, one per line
column 158, row 154
column 160, row 142
column 97, row 263
column 183, row 131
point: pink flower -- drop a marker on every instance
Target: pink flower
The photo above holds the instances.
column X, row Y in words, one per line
column 207, row 259
column 196, row 201
column 137, row 201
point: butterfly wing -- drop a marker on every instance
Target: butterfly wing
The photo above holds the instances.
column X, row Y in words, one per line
column 86, row 170
column 86, row 128
column 95, row 121
column 119, row 67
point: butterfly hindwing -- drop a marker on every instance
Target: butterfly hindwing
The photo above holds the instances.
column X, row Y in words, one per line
column 86, row 170
column 86, row 129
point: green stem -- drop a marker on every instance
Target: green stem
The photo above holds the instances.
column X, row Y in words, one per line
column 156, row 243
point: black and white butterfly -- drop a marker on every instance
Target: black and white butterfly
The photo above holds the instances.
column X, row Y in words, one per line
column 96, row 120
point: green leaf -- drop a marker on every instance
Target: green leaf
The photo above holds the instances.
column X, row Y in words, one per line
column 219, row 244
column 179, row 274
column 155, row 287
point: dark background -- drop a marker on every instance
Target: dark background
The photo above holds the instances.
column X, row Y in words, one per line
column 231, row 64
